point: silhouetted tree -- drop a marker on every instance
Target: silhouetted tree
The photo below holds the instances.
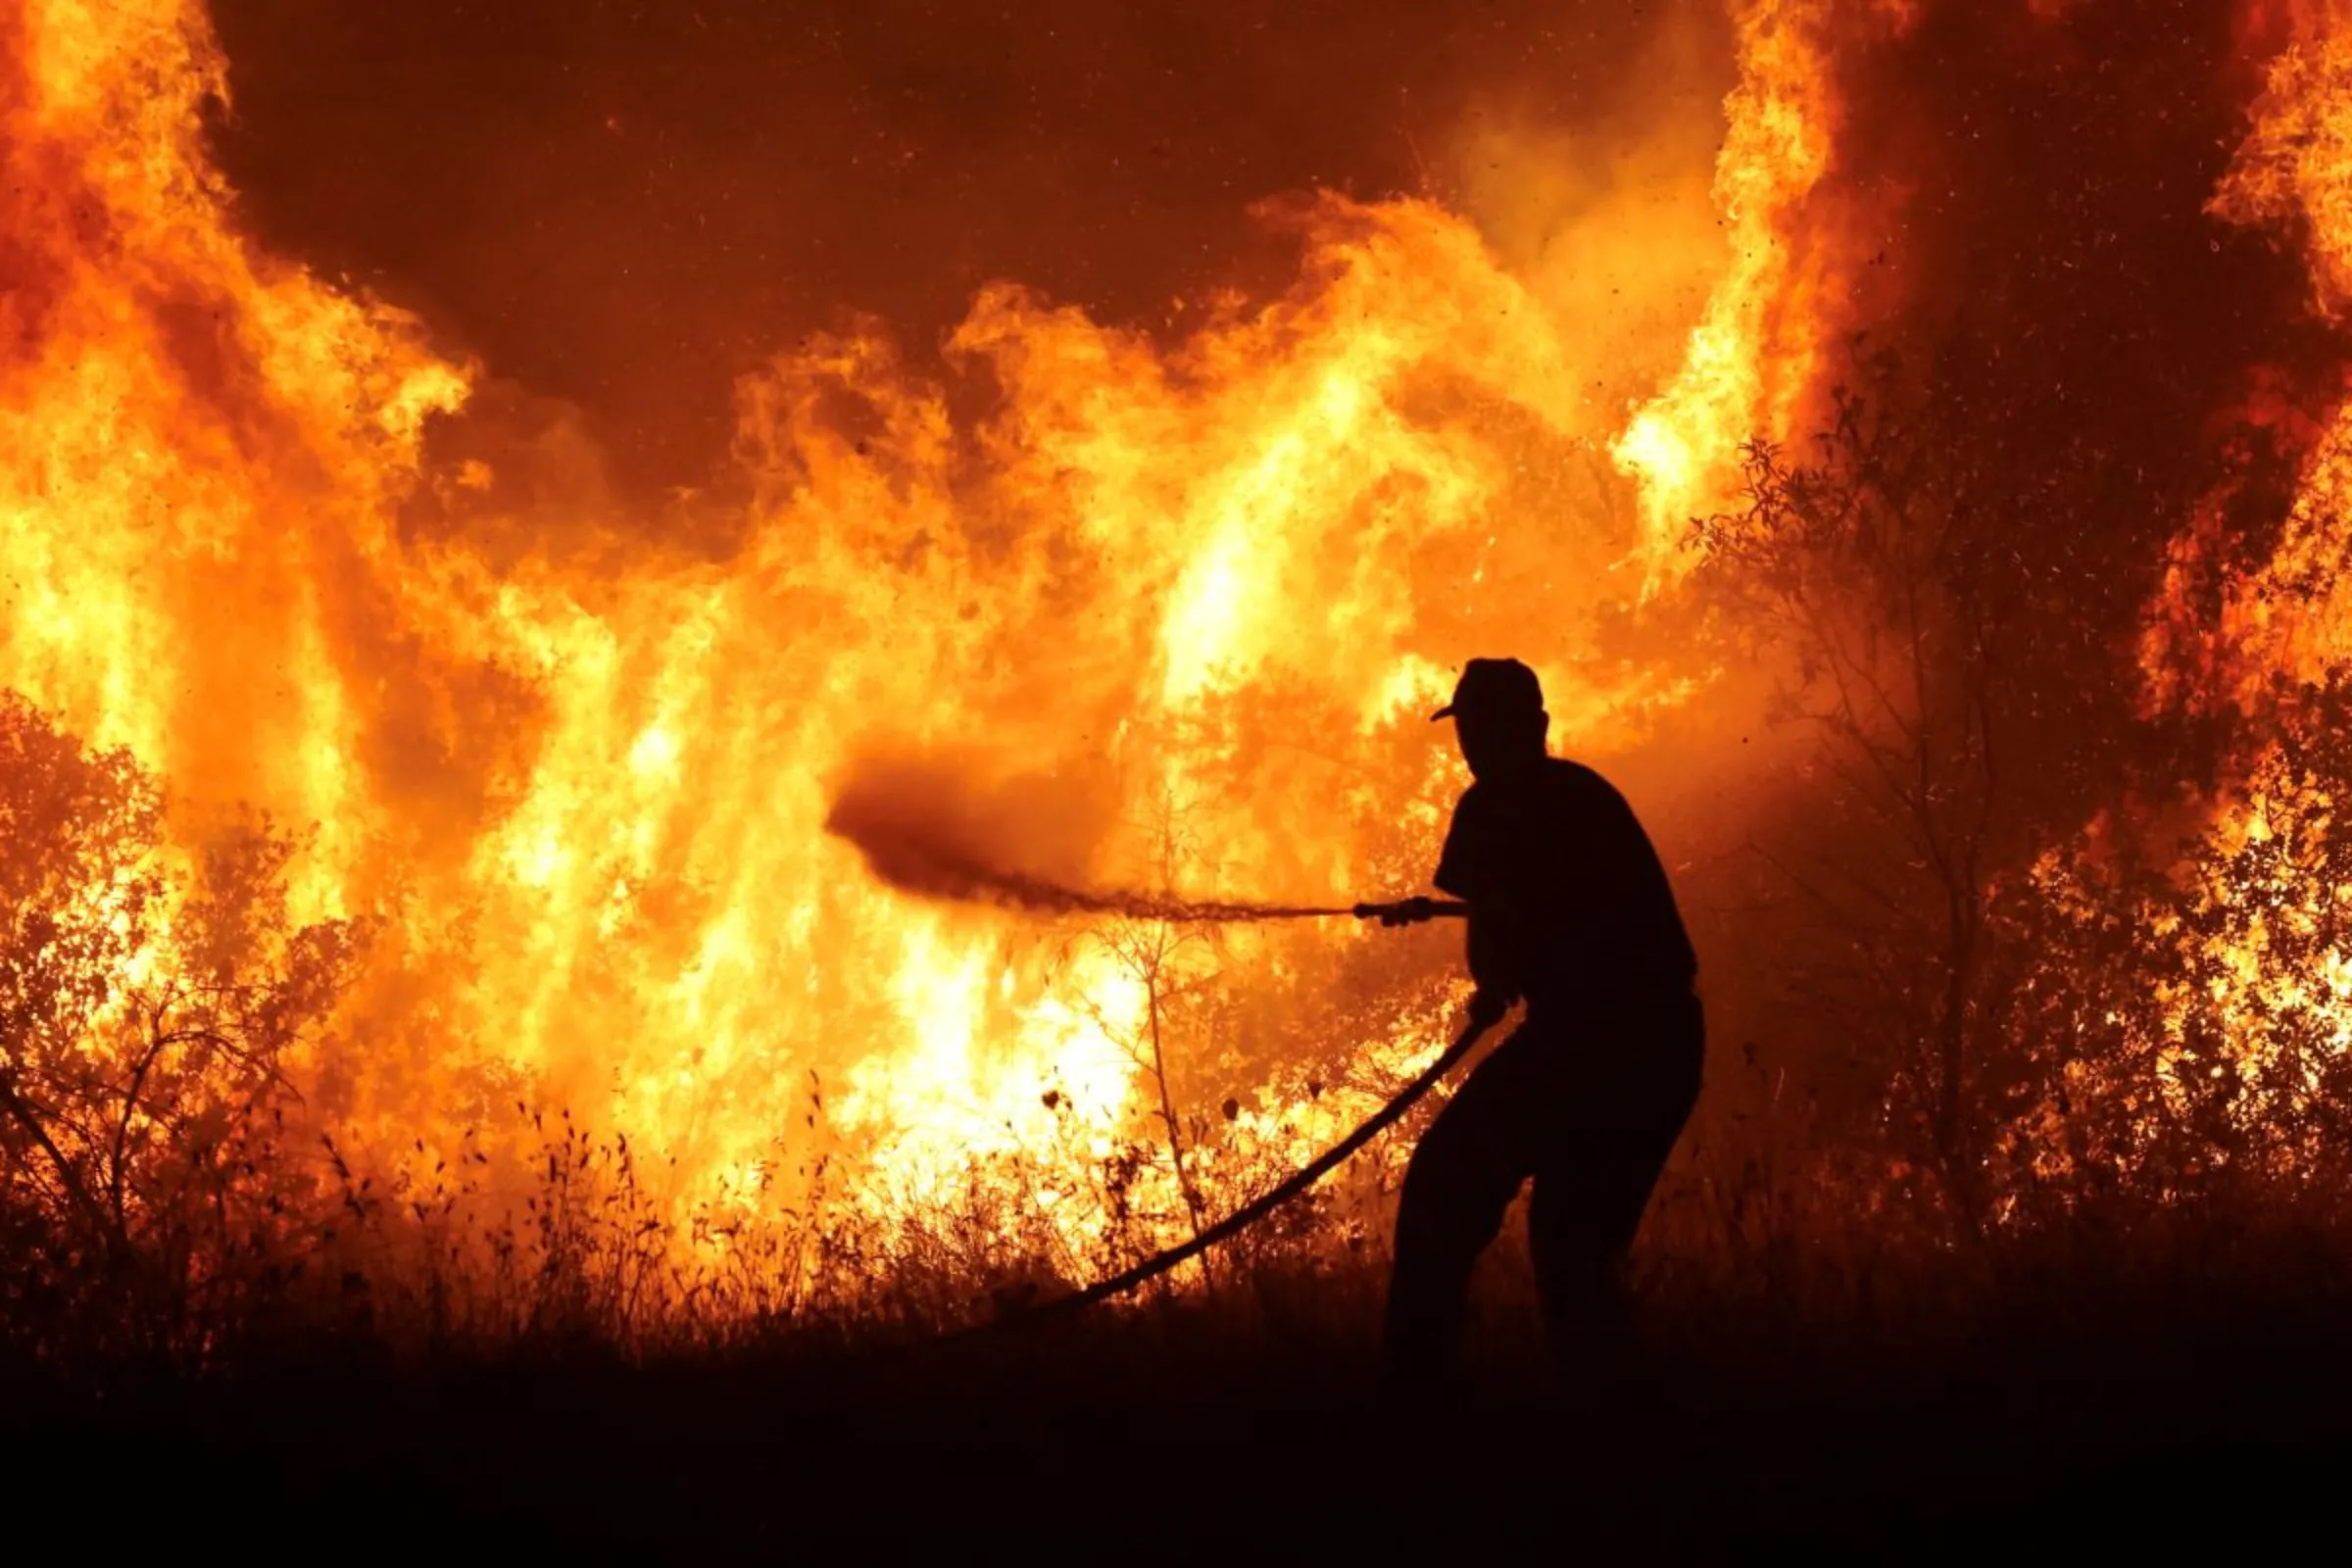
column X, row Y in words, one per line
column 1880, row 571
column 148, row 1001
column 1169, row 963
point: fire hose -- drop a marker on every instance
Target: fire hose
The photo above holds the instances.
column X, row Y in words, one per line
column 1249, row 1214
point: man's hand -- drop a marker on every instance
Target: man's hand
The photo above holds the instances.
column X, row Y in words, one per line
column 1409, row 911
column 1487, row 1008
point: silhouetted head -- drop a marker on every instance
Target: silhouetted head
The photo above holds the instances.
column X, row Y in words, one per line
column 1497, row 714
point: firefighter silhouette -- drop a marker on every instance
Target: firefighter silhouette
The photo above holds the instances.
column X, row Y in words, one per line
column 1570, row 911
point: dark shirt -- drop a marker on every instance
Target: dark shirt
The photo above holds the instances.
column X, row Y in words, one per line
column 1568, row 899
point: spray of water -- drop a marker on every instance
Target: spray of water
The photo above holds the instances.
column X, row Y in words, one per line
column 931, row 832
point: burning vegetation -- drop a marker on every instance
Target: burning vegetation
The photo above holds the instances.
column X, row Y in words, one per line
column 442, row 893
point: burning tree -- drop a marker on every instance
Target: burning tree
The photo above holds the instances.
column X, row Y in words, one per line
column 147, row 1014
column 2189, row 997
column 2086, row 922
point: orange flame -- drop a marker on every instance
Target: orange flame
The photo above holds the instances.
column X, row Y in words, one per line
column 2261, row 885
column 1754, row 354
column 583, row 783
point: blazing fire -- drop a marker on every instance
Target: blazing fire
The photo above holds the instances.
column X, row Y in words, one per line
column 1167, row 616
column 578, row 787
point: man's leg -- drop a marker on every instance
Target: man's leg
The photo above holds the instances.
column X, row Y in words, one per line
column 1594, row 1185
column 1463, row 1175
column 1580, row 1223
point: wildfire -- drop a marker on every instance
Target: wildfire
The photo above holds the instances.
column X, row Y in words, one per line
column 2252, row 1013
column 578, row 791
column 1168, row 617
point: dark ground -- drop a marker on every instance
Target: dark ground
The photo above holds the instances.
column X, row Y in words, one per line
column 1181, row 1435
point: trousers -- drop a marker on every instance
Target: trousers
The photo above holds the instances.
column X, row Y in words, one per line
column 1587, row 1103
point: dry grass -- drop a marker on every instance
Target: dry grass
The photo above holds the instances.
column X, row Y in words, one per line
column 1813, row 1371
column 2131, row 1382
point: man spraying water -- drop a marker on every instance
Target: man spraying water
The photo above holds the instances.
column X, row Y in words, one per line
column 1570, row 911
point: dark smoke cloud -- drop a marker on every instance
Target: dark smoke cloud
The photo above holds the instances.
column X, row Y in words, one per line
column 941, row 830
column 2075, row 323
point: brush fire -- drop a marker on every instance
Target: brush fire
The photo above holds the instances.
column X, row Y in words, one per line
column 1912, row 458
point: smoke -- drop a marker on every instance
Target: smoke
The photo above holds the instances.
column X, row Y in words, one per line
column 1607, row 214
column 941, row 831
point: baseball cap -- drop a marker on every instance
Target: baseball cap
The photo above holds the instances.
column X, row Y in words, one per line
column 1494, row 686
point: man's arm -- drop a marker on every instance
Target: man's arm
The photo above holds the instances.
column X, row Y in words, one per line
column 1493, row 950
column 1468, row 868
